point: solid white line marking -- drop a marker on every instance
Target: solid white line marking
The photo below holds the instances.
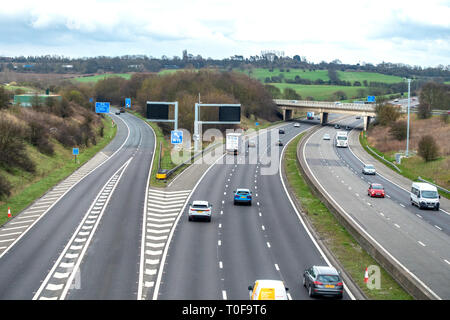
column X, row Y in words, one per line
column 149, row 284
column 419, row 215
column 401, row 204
column 220, row 265
column 153, row 252
column 156, row 237
column 155, row 245
column 224, row 295
column 151, row 261
column 448, row 262
column 438, row 227
column 54, row 287
column 150, row 272
column 396, row 225
column 60, row 275
column 262, row 227
column 421, row 243
column 154, row 225
column 276, row 267
column 157, row 231
column 71, row 255
column 7, row 240
column 67, row 265
column 268, row 244
column 9, row 234
column 219, row 243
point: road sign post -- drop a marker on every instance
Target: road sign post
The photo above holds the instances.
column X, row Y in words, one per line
column 75, row 153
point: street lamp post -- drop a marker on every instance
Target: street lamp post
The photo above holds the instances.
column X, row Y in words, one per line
column 407, row 129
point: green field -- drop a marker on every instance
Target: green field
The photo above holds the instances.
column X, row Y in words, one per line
column 262, row 73
column 102, row 76
column 369, row 76
column 318, row 92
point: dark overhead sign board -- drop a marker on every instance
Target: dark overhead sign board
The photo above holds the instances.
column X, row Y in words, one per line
column 157, row 111
column 230, row 114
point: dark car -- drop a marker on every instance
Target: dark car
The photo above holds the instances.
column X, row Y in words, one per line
column 323, row 280
column 281, row 131
column 118, row 112
column 347, row 128
column 122, row 110
column 336, row 126
column 279, row 143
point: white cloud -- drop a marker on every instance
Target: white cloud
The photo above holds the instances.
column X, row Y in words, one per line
column 351, row 30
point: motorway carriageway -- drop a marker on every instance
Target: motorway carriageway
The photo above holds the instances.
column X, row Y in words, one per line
column 95, row 226
column 419, row 239
column 220, row 259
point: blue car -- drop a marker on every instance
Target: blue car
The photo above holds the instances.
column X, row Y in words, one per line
column 243, row 196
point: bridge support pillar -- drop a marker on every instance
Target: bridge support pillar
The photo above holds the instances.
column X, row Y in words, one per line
column 287, row 114
column 324, row 118
column 366, row 122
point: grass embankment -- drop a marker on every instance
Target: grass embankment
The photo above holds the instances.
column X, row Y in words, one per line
column 50, row 170
column 344, row 247
column 318, row 92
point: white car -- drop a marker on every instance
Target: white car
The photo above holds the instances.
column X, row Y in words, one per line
column 297, row 125
column 368, row 169
column 200, row 209
column 326, row 136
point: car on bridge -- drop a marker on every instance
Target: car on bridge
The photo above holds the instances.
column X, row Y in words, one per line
column 242, row 196
column 323, row 280
column 376, row 190
column 200, row 209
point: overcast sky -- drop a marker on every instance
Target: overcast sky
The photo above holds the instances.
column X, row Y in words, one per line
column 410, row 32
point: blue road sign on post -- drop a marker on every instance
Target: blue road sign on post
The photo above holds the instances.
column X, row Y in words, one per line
column 370, row 98
column 91, row 100
column 75, row 151
column 102, row 107
column 176, row 137
column 127, row 102
column 256, row 123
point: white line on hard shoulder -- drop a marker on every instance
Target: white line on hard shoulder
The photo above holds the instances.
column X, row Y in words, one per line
column 438, row 227
column 421, row 243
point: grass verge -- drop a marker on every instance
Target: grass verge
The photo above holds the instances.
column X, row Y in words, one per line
column 51, row 176
column 344, row 247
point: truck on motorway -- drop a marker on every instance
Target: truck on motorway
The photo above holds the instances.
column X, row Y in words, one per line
column 342, row 139
column 233, row 142
column 310, row 115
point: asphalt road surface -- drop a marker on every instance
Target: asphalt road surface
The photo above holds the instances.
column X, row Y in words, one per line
column 109, row 266
column 419, row 239
column 220, row 259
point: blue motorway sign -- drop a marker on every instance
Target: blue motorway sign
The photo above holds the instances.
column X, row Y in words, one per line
column 127, row 102
column 75, row 151
column 102, row 107
column 370, row 98
column 176, row 137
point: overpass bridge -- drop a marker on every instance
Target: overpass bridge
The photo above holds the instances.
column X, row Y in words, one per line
column 367, row 111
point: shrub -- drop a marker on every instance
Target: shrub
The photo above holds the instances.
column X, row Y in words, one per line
column 12, row 147
column 5, row 187
column 386, row 114
column 428, row 148
column 399, row 130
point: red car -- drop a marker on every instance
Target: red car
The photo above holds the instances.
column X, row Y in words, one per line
column 375, row 190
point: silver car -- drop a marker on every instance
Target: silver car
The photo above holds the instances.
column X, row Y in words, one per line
column 200, row 209
column 326, row 136
column 368, row 169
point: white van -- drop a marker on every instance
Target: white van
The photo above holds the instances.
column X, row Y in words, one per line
column 268, row 290
column 424, row 195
